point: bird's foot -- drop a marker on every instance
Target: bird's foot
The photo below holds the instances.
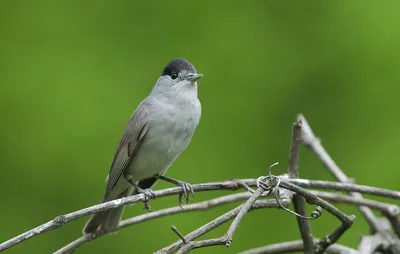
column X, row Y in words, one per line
column 148, row 194
column 187, row 189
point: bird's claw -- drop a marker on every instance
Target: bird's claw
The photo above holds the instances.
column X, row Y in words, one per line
column 148, row 194
column 187, row 189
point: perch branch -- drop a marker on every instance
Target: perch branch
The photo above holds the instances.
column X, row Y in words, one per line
column 224, row 185
column 201, row 206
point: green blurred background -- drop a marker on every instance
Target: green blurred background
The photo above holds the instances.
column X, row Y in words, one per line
column 72, row 73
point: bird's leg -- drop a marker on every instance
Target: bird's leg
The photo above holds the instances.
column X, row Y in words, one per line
column 187, row 189
column 148, row 193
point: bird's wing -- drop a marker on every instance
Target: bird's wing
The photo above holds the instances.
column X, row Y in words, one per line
column 134, row 133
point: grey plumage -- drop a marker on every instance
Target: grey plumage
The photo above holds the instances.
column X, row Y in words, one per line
column 158, row 131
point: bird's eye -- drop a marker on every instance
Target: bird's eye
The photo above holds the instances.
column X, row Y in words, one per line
column 174, row 75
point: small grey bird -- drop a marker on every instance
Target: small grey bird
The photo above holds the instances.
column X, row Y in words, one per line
column 156, row 134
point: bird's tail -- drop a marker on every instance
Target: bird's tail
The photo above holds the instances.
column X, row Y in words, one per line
column 106, row 221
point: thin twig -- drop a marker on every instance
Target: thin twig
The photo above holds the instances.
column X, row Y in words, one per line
column 394, row 210
column 313, row 199
column 228, row 237
column 78, row 242
column 391, row 211
column 297, row 246
column 298, row 201
column 311, row 141
column 246, row 207
column 201, row 244
column 178, row 233
column 293, row 169
column 346, row 220
column 381, row 242
column 347, row 187
column 304, row 226
column 219, row 221
column 394, row 221
column 202, row 230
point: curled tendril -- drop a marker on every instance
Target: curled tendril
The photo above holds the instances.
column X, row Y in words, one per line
column 271, row 182
column 270, row 169
column 314, row 215
column 317, row 213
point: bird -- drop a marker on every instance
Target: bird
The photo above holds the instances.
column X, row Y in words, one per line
column 159, row 130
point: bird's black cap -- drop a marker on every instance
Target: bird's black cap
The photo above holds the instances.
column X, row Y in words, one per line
column 177, row 65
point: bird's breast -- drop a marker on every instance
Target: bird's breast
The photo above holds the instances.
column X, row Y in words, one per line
column 170, row 132
column 173, row 127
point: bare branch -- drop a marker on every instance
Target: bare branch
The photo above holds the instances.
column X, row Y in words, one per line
column 393, row 210
column 311, row 141
column 296, row 246
column 200, row 244
column 395, row 221
column 62, row 219
column 202, row 230
column 381, row 242
column 75, row 244
column 178, row 234
column 347, row 187
column 346, row 220
column 205, row 205
column 313, row 199
column 201, row 206
column 228, row 237
column 298, row 201
column 293, row 169
column 225, row 185
column 245, row 208
column 219, row 221
column 304, row 226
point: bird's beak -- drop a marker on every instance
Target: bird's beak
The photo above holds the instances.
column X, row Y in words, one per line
column 193, row 76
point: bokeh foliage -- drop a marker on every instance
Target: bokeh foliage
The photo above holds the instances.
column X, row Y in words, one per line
column 72, row 72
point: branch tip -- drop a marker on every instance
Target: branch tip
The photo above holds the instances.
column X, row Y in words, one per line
column 173, row 228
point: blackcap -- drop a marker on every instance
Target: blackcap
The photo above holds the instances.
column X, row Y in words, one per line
column 156, row 134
